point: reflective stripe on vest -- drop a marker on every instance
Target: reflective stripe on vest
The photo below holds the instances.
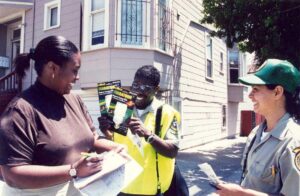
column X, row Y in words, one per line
column 146, row 182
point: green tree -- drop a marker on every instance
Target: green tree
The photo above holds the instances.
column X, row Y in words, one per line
column 270, row 28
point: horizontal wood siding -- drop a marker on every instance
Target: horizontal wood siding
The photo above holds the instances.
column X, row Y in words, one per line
column 202, row 98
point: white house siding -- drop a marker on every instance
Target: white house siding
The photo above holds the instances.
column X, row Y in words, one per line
column 34, row 27
column 202, row 98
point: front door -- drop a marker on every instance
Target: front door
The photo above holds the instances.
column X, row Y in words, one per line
column 13, row 42
column 15, row 45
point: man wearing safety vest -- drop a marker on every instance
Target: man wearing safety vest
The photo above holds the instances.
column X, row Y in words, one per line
column 142, row 142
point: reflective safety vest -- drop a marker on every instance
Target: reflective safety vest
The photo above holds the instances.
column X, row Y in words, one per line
column 146, row 183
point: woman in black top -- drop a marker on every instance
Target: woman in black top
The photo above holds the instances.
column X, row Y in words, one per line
column 44, row 130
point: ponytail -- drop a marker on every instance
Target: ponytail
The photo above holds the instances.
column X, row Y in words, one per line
column 293, row 104
column 21, row 64
column 292, row 101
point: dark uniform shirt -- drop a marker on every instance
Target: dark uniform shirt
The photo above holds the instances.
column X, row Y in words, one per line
column 41, row 127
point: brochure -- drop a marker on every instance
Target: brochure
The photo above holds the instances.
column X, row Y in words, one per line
column 213, row 179
column 121, row 109
column 105, row 90
column 117, row 172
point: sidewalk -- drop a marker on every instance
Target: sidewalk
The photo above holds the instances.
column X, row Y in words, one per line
column 223, row 155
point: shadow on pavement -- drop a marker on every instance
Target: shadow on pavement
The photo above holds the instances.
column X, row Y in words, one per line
column 224, row 160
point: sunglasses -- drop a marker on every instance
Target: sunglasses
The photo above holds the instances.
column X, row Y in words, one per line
column 142, row 87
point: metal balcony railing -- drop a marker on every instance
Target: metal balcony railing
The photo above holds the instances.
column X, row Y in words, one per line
column 10, row 86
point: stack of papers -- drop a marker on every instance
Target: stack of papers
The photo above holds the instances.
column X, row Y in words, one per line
column 208, row 170
column 117, row 172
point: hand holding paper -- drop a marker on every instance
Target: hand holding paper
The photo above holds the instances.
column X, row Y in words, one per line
column 118, row 171
column 212, row 177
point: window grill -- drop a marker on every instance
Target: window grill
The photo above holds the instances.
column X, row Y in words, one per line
column 133, row 22
column 165, row 26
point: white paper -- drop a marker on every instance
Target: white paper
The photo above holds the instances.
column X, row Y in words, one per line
column 208, row 170
column 137, row 141
column 112, row 182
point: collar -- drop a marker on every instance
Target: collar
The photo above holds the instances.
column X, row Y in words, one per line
column 279, row 131
column 47, row 92
column 155, row 104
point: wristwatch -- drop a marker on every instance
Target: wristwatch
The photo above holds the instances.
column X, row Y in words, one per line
column 73, row 172
column 150, row 138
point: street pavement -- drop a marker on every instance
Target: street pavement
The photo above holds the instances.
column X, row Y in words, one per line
column 223, row 155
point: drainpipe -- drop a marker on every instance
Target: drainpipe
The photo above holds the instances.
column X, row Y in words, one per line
column 32, row 40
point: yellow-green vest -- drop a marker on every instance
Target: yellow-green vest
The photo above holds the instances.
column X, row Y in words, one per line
column 146, row 182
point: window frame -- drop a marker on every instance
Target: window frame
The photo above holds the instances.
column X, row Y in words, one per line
column 88, row 25
column 169, row 49
column 146, row 27
column 47, row 14
column 224, row 117
column 206, row 35
column 234, row 68
column 221, row 62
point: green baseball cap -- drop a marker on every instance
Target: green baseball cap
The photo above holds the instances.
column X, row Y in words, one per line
column 274, row 71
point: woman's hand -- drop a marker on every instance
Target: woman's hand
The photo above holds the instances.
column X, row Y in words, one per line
column 229, row 189
column 105, row 125
column 137, row 127
column 88, row 166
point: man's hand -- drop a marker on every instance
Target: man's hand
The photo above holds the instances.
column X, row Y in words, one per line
column 105, row 126
column 137, row 127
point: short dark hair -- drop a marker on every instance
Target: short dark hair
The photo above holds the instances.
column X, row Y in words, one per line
column 53, row 48
column 148, row 73
column 292, row 101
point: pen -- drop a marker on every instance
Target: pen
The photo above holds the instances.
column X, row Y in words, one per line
column 93, row 154
column 86, row 154
column 273, row 170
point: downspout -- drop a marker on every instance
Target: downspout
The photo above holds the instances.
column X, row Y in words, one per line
column 32, row 41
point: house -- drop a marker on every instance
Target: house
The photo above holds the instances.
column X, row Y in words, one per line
column 116, row 37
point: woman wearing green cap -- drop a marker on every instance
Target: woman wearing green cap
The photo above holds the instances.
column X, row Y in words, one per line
column 271, row 159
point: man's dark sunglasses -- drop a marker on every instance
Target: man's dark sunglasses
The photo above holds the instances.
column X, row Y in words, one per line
column 141, row 87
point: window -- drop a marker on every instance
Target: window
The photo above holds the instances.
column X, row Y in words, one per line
column 97, row 20
column 164, row 26
column 223, row 116
column 221, row 61
column 133, row 22
column 209, row 64
column 94, row 24
column 233, row 66
column 52, row 14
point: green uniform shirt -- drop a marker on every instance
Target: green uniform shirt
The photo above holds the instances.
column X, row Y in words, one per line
column 273, row 163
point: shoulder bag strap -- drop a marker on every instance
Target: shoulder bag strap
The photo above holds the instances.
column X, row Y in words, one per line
column 157, row 132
